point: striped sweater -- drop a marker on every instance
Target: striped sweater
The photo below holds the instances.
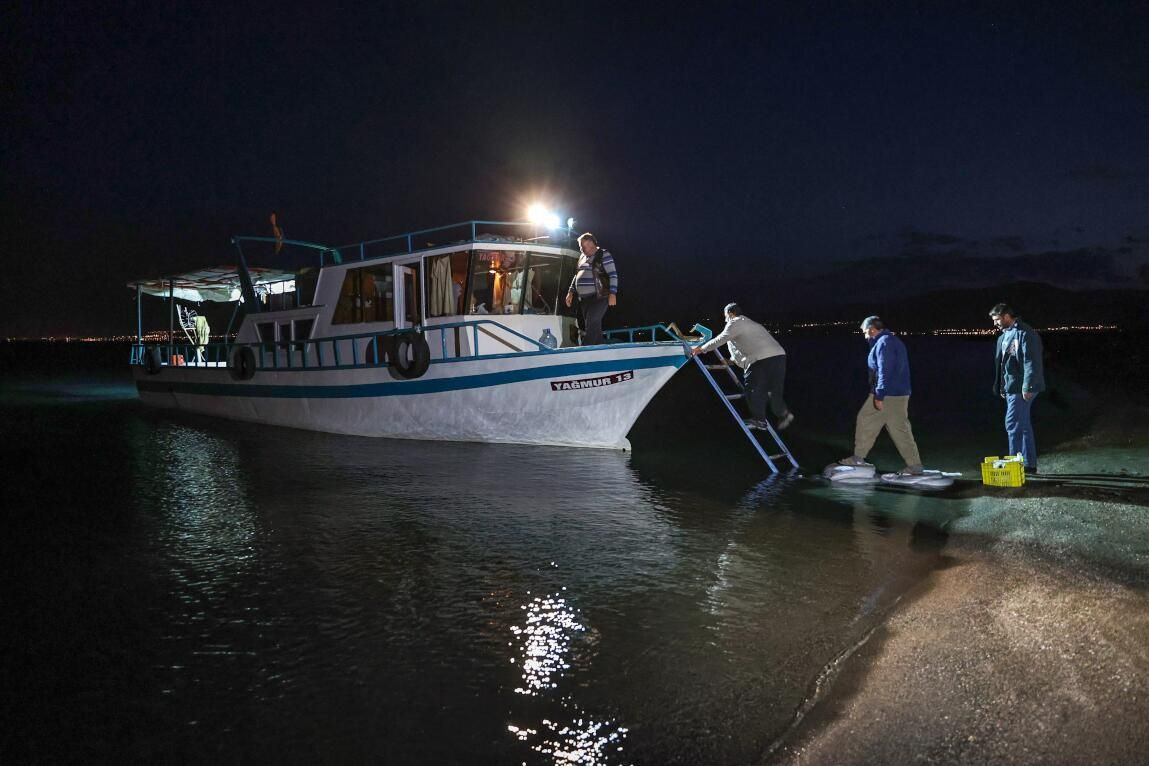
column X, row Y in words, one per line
column 583, row 282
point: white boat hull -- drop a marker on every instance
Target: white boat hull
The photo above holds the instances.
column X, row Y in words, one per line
column 583, row 397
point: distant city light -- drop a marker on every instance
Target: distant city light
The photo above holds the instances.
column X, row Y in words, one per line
column 163, row 336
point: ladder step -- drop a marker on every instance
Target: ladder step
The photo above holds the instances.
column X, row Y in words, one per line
column 780, row 454
column 717, row 366
column 732, row 397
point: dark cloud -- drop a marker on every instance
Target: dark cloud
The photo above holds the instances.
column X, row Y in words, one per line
column 914, row 241
column 1101, row 173
column 1015, row 243
column 138, row 140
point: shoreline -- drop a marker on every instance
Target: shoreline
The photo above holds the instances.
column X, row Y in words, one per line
column 1029, row 644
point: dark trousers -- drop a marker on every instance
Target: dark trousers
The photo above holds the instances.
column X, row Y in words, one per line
column 593, row 310
column 763, row 383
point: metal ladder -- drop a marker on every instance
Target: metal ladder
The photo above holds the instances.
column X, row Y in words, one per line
column 729, row 399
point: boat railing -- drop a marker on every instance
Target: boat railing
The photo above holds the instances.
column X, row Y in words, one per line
column 652, row 333
column 367, row 349
column 465, row 232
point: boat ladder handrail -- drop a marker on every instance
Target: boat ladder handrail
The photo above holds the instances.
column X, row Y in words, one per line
column 728, row 399
column 671, row 332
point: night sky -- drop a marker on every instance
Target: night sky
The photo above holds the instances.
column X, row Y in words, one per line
column 718, row 153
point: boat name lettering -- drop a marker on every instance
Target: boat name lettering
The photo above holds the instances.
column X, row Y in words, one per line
column 605, row 380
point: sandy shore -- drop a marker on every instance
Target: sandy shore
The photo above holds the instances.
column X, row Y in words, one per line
column 1030, row 646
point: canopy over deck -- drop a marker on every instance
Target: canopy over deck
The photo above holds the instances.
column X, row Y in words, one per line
column 220, row 283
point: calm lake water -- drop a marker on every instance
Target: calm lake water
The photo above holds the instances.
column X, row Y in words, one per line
column 188, row 589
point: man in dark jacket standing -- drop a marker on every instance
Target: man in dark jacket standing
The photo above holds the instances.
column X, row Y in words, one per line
column 888, row 405
column 1018, row 378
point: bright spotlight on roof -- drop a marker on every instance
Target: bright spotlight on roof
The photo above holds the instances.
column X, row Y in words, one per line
column 536, row 213
column 552, row 221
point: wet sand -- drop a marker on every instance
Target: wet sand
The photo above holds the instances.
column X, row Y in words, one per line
column 1031, row 645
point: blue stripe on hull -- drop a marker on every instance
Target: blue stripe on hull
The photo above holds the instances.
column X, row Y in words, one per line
column 405, row 387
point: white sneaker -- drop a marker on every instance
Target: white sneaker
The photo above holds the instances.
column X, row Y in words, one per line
column 855, row 461
column 785, row 422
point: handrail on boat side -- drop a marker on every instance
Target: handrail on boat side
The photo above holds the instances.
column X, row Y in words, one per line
column 311, row 350
column 218, row 354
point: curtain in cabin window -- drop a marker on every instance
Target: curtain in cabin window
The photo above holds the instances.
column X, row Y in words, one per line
column 442, row 298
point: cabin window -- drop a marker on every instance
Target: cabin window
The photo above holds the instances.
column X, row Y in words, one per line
column 493, row 274
column 303, row 328
column 349, row 309
column 378, row 293
column 278, row 296
column 479, row 301
column 267, row 335
column 305, row 283
column 446, row 276
column 519, row 283
column 540, row 284
column 566, row 275
column 301, row 331
column 367, row 295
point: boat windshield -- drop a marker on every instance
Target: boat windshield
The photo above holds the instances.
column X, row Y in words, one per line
column 517, row 282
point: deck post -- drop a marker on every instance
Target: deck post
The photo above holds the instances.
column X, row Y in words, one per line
column 171, row 313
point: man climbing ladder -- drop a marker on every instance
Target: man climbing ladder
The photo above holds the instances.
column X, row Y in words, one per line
column 763, row 361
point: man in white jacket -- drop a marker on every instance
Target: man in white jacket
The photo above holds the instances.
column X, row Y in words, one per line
column 763, row 359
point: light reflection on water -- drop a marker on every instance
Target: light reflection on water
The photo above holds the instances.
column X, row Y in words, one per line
column 544, row 639
column 543, row 642
column 308, row 597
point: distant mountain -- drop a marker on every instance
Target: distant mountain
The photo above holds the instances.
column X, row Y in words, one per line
column 943, row 281
column 1041, row 304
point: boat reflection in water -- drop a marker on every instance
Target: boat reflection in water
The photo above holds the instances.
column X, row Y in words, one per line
column 282, row 594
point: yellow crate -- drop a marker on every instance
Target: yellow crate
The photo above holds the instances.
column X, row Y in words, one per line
column 1012, row 475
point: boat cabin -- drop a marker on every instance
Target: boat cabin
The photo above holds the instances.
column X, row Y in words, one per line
column 502, row 271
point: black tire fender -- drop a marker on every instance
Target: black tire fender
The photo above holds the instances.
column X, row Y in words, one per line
column 241, row 363
column 410, row 355
column 152, row 363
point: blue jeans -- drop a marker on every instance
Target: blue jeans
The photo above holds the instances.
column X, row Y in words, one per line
column 1019, row 428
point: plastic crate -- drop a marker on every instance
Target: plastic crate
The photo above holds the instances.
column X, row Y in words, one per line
column 1012, row 474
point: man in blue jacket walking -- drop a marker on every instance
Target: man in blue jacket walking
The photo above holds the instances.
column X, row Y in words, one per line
column 888, row 404
column 1018, row 378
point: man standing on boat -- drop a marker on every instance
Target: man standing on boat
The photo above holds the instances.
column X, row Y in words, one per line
column 1018, row 378
column 763, row 360
column 596, row 285
column 888, row 405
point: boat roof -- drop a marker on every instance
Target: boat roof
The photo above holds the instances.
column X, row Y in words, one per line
column 222, row 283
column 474, row 232
column 215, row 283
